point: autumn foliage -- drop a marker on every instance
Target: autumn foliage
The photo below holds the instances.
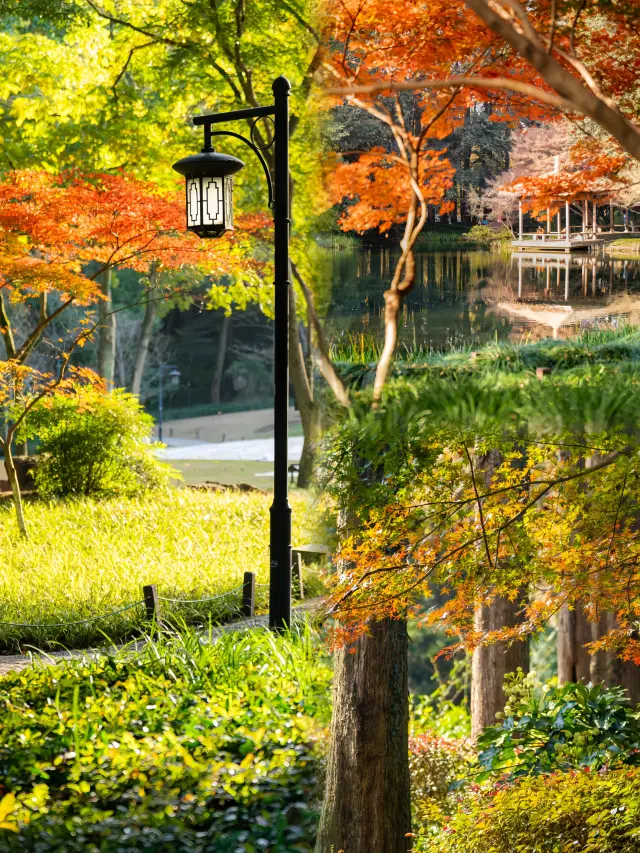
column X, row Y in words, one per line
column 58, row 235
column 493, row 486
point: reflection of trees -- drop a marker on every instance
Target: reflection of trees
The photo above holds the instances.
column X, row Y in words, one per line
column 559, row 294
column 464, row 297
column 437, row 312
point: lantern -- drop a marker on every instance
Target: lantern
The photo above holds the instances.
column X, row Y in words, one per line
column 209, row 191
column 174, row 377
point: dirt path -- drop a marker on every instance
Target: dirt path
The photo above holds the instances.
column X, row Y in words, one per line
column 16, row 663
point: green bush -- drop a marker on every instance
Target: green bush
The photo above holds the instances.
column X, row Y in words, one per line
column 436, row 763
column 582, row 811
column 94, row 443
column 187, row 745
column 482, row 235
column 558, row 728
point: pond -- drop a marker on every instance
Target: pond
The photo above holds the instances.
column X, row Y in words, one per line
column 470, row 297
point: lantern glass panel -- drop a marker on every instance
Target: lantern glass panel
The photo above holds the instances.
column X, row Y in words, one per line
column 213, row 201
column 228, row 200
column 193, row 202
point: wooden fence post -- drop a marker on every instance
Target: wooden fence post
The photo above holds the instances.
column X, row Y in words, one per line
column 248, row 594
column 152, row 603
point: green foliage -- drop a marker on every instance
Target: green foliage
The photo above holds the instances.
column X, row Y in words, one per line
column 445, row 711
column 482, row 235
column 87, row 557
column 93, row 443
column 579, row 810
column 187, row 745
column 435, row 763
column 559, row 728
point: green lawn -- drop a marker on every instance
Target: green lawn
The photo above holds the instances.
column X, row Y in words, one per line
column 626, row 247
column 88, row 557
column 229, row 472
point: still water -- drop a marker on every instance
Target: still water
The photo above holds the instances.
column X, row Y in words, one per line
column 467, row 297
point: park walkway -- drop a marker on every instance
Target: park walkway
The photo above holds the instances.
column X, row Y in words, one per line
column 15, row 663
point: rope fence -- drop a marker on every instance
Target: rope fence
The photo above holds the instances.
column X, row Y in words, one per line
column 151, row 602
column 77, row 622
column 201, row 600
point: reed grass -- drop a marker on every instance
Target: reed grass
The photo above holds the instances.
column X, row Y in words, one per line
column 88, row 557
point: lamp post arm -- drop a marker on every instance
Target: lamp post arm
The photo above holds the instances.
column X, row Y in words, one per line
column 256, row 151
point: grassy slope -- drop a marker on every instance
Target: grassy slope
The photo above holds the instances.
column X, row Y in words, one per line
column 356, row 359
column 88, row 557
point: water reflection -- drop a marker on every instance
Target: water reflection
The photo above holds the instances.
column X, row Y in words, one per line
column 471, row 297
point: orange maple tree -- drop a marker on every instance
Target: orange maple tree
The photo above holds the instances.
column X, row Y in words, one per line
column 381, row 187
column 587, row 177
column 545, row 58
column 58, row 235
column 496, row 485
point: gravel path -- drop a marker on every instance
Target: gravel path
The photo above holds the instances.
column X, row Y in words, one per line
column 15, row 663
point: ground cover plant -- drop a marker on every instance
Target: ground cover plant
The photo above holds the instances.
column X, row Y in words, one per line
column 88, row 557
column 190, row 744
column 593, row 812
column 546, row 728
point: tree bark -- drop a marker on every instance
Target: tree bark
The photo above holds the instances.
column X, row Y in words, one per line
column 223, row 342
column 144, row 341
column 367, row 806
column 12, row 476
column 573, row 632
column 106, row 333
column 605, row 667
column 321, row 353
column 308, row 408
column 491, row 663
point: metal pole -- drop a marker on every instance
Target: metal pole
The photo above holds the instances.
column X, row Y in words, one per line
column 160, row 403
column 280, row 512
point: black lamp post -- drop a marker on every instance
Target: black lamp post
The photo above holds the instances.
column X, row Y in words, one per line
column 209, row 204
column 173, row 376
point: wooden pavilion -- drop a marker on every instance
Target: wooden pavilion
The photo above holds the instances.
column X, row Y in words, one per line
column 559, row 236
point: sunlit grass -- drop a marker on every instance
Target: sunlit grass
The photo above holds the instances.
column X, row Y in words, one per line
column 193, row 742
column 87, row 557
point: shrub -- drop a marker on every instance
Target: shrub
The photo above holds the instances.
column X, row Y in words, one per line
column 586, row 811
column 186, row 745
column 482, row 235
column 435, row 764
column 94, row 443
column 550, row 728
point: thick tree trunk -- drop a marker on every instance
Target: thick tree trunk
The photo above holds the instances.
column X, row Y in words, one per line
column 367, row 805
column 607, row 668
column 144, row 341
column 491, row 663
column 573, row 632
column 223, row 342
column 12, row 476
column 106, row 333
